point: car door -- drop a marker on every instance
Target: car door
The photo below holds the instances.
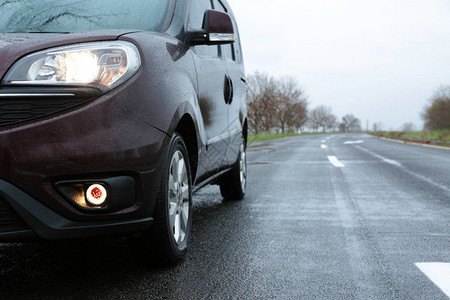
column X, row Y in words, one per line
column 232, row 57
column 211, row 76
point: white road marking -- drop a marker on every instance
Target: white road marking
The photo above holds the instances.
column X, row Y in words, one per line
column 386, row 160
column 439, row 273
column 323, row 146
column 335, row 162
column 353, row 142
column 397, row 164
column 323, row 141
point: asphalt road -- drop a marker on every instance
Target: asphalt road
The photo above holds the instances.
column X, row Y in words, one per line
column 325, row 217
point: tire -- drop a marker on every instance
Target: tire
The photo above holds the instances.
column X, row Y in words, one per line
column 234, row 182
column 166, row 241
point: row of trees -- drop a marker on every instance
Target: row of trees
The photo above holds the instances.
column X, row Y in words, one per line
column 322, row 118
column 280, row 105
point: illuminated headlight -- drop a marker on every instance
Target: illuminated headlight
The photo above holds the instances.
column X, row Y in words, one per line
column 96, row 194
column 103, row 64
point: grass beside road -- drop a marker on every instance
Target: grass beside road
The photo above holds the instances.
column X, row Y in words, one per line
column 271, row 136
column 438, row 137
column 263, row 137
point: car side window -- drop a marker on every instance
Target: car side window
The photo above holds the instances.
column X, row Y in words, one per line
column 228, row 49
column 196, row 15
column 237, row 44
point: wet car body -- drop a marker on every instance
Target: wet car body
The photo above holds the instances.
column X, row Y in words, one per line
column 54, row 138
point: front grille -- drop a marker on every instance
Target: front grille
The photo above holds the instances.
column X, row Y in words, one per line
column 23, row 104
column 13, row 111
column 9, row 219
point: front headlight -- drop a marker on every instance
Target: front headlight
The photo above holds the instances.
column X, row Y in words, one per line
column 102, row 64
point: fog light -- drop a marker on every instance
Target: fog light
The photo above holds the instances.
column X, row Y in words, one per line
column 96, row 194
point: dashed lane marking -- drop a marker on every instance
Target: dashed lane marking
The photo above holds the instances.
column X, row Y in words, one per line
column 353, row 142
column 335, row 162
column 439, row 273
column 323, row 146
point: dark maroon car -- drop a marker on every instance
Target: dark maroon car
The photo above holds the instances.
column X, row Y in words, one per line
column 112, row 113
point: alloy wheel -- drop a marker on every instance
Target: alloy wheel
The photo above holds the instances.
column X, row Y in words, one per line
column 178, row 198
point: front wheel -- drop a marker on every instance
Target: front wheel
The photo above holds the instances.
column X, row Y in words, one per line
column 166, row 241
column 234, row 182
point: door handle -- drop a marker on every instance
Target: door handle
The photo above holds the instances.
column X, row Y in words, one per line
column 231, row 90
column 228, row 90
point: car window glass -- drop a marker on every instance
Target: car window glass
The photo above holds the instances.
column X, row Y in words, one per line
column 197, row 12
column 228, row 49
column 219, row 6
column 237, row 44
column 81, row 15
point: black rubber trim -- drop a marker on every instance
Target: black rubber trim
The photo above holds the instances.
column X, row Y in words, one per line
column 209, row 180
column 51, row 226
column 18, row 236
column 9, row 220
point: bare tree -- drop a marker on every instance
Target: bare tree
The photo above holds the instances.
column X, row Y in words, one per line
column 331, row 122
column 408, row 127
column 261, row 104
column 377, row 126
column 314, row 119
column 290, row 103
column 300, row 116
column 437, row 113
column 322, row 117
column 350, row 123
column 274, row 103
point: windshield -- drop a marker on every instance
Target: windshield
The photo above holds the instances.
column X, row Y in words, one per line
column 81, row 15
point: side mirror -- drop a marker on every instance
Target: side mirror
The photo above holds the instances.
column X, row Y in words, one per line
column 217, row 30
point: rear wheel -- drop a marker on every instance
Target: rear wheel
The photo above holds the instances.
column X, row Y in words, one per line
column 166, row 241
column 234, row 183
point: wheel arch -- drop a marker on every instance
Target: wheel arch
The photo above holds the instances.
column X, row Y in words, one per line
column 187, row 129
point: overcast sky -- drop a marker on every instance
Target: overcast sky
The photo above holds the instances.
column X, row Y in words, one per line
column 380, row 60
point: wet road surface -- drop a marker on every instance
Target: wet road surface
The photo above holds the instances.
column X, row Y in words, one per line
column 325, row 217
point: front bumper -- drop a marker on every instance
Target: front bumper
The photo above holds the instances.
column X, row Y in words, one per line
column 109, row 136
column 25, row 218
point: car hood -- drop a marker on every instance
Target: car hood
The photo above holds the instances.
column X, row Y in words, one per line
column 15, row 45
